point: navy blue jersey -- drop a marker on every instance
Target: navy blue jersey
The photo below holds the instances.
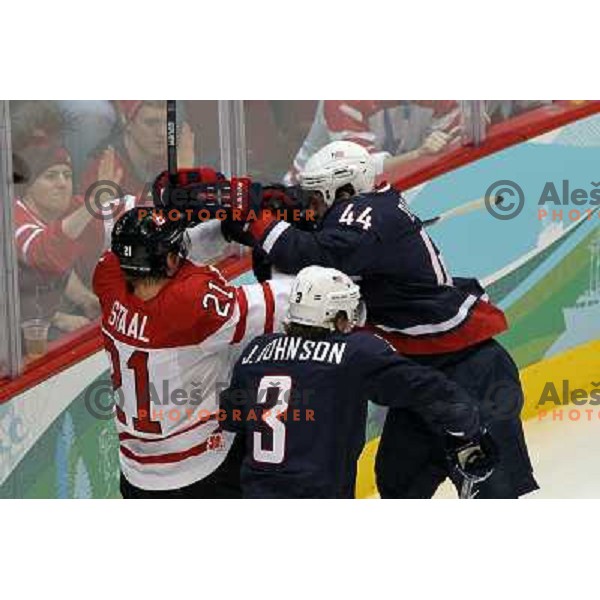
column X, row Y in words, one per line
column 403, row 279
column 301, row 406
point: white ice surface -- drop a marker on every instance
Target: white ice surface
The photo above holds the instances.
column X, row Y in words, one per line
column 565, row 455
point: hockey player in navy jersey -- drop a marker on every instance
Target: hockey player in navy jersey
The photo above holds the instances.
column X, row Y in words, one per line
column 413, row 301
column 417, row 305
column 299, row 399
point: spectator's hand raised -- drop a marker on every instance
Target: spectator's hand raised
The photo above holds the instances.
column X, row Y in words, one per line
column 108, row 171
column 438, row 140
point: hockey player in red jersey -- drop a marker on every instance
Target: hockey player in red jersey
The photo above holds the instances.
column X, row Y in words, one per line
column 172, row 330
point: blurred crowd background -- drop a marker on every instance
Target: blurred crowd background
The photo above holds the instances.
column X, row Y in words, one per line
column 61, row 148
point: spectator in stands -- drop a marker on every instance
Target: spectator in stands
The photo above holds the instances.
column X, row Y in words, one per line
column 82, row 124
column 32, row 120
column 394, row 131
column 501, row 110
column 138, row 147
column 287, row 122
column 54, row 232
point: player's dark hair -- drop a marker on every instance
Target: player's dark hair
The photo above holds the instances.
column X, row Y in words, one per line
column 133, row 279
column 306, row 331
column 345, row 189
column 309, row 332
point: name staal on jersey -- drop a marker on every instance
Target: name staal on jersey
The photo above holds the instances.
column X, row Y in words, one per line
column 170, row 357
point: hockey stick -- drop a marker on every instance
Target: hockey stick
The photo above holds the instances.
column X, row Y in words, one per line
column 172, row 140
column 463, row 209
column 466, row 489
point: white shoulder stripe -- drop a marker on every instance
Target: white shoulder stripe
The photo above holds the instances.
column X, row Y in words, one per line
column 27, row 243
column 274, row 235
column 217, row 273
column 351, row 112
column 451, row 323
column 433, row 257
column 24, row 206
column 25, row 227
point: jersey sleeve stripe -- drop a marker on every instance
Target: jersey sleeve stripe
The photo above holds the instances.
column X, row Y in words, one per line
column 351, row 112
column 482, row 323
column 170, row 457
column 124, row 436
column 274, row 235
column 444, row 326
column 433, row 256
column 269, row 307
column 27, row 243
column 29, row 214
column 25, row 227
column 240, row 328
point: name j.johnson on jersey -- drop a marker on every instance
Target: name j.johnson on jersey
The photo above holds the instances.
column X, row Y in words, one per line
column 297, row 349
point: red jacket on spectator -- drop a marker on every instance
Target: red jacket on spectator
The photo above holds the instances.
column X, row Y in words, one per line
column 47, row 257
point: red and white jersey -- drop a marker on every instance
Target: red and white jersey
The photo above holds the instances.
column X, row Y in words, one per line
column 47, row 256
column 171, row 356
column 383, row 127
column 44, row 247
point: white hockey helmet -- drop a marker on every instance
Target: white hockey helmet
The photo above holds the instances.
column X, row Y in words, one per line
column 318, row 294
column 336, row 165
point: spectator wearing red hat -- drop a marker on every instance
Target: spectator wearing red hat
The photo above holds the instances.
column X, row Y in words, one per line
column 137, row 149
column 55, row 234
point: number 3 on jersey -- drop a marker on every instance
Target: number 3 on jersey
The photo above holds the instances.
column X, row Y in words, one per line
column 283, row 385
column 363, row 219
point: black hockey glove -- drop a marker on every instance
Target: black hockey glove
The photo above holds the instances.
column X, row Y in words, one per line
column 202, row 193
column 289, row 203
column 474, row 459
column 234, row 230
